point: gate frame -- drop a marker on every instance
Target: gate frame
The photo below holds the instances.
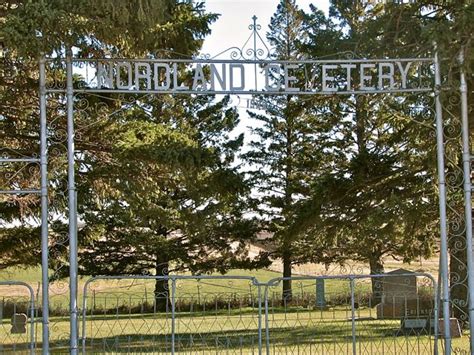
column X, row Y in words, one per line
column 352, row 278
column 72, row 196
column 173, row 279
column 32, row 341
column 263, row 297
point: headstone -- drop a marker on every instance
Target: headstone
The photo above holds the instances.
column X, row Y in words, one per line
column 453, row 326
column 320, row 295
column 400, row 297
column 415, row 324
column 407, row 309
column 18, row 323
column 399, row 285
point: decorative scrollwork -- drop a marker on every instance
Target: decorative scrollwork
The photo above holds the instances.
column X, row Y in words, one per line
column 254, row 48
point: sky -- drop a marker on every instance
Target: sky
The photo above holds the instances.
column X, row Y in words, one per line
column 232, row 29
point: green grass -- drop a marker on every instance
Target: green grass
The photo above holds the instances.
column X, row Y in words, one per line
column 31, row 275
column 142, row 290
column 301, row 332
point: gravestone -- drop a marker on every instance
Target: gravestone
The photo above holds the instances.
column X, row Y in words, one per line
column 454, row 326
column 418, row 326
column 400, row 297
column 320, row 295
column 399, row 285
column 413, row 309
column 18, row 323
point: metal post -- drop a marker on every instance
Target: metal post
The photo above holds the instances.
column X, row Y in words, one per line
column 442, row 207
column 32, row 323
column 466, row 154
column 73, row 270
column 173, row 314
column 436, row 317
column 259, row 298
column 267, row 325
column 354, row 343
column 44, row 206
column 84, row 315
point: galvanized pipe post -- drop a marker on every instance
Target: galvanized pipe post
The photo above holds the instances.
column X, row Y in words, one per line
column 84, row 316
column 32, row 325
column 267, row 321
column 436, row 317
column 72, row 203
column 259, row 298
column 353, row 325
column 442, row 208
column 44, row 206
column 173, row 315
column 466, row 159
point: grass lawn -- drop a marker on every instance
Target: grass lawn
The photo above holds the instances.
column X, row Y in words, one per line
column 140, row 290
column 236, row 332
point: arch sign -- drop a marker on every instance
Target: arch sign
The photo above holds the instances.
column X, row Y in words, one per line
column 305, row 77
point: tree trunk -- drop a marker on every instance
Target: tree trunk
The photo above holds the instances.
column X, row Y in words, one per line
column 162, row 294
column 287, row 293
column 376, row 268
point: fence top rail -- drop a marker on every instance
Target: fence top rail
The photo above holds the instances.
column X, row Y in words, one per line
column 170, row 277
column 272, row 282
column 275, row 281
column 18, row 283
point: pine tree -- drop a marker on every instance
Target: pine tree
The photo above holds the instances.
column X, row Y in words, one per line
column 378, row 197
column 156, row 186
column 282, row 155
column 450, row 26
column 166, row 199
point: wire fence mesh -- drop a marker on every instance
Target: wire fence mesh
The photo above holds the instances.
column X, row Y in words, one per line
column 384, row 314
column 168, row 315
column 394, row 313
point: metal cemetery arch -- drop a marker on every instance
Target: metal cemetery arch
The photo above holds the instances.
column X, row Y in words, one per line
column 230, row 76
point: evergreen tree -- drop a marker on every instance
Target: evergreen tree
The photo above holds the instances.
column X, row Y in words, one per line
column 283, row 156
column 156, row 186
column 378, row 198
column 166, row 199
column 450, row 26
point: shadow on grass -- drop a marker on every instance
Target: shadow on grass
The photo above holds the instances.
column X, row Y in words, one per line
column 111, row 314
column 218, row 341
column 335, row 334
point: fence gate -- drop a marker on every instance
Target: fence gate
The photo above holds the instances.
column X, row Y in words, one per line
column 17, row 317
column 239, row 315
column 353, row 314
column 196, row 314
